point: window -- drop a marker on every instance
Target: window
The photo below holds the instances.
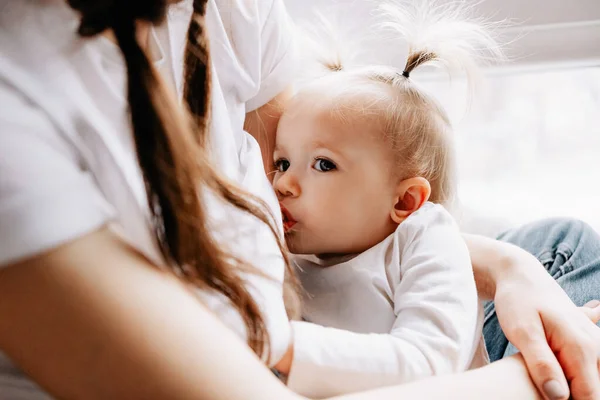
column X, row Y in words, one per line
column 529, row 148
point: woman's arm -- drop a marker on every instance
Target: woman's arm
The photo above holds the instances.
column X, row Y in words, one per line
column 504, row 379
column 94, row 320
column 558, row 341
column 491, row 261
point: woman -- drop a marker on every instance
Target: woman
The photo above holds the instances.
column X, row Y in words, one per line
column 107, row 242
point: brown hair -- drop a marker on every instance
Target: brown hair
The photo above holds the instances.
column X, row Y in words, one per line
column 170, row 144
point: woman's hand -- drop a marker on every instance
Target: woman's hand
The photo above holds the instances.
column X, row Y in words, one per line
column 540, row 320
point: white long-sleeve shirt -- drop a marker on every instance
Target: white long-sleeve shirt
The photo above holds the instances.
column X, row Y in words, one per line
column 403, row 310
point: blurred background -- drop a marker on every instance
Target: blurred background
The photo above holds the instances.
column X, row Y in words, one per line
column 529, row 143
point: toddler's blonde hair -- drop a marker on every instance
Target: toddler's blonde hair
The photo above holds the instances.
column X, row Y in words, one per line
column 417, row 128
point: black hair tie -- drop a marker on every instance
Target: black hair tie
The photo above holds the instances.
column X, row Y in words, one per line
column 405, row 74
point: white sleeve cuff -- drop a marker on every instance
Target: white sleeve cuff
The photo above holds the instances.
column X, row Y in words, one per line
column 306, row 376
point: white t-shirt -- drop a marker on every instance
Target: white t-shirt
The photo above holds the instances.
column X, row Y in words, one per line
column 410, row 303
column 67, row 159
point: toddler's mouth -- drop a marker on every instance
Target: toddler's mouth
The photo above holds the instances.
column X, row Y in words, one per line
column 288, row 220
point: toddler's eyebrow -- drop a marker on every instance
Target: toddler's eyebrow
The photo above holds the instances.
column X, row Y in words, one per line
column 329, row 146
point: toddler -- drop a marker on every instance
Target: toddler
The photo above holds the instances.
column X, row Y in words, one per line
column 364, row 173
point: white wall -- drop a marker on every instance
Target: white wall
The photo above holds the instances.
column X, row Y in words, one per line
column 548, row 30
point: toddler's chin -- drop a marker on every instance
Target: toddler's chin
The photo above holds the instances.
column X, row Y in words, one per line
column 295, row 245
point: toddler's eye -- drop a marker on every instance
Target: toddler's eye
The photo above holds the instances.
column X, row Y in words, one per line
column 323, row 165
column 282, row 165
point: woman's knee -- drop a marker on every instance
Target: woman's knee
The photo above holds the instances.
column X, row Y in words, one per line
column 572, row 232
column 565, row 235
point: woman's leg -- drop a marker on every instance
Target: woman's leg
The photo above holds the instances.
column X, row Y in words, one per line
column 570, row 251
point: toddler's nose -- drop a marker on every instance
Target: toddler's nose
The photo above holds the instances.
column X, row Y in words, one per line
column 287, row 186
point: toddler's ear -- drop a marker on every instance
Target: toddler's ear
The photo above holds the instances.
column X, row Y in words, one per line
column 411, row 194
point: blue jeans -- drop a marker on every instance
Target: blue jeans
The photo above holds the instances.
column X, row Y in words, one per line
column 570, row 251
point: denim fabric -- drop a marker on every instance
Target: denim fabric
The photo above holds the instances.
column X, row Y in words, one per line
column 569, row 250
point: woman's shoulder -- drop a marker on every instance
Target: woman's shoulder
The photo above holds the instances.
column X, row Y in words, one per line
column 25, row 124
column 51, row 190
column 46, row 198
column 38, row 45
column 34, row 35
